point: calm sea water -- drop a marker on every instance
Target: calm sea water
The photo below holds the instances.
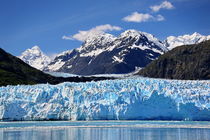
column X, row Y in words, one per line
column 105, row 130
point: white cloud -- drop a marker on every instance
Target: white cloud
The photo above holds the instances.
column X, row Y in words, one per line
column 67, row 37
column 160, row 18
column 163, row 5
column 83, row 35
column 140, row 17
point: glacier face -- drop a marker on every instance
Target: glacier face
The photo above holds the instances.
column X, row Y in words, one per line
column 134, row 98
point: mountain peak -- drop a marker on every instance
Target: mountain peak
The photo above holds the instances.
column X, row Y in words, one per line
column 196, row 34
column 35, row 47
column 35, row 57
column 134, row 33
column 141, row 38
column 34, row 50
column 130, row 32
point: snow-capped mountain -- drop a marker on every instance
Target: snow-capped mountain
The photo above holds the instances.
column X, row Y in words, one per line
column 172, row 41
column 35, row 58
column 108, row 54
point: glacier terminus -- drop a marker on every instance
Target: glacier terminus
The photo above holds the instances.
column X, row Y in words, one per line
column 134, row 98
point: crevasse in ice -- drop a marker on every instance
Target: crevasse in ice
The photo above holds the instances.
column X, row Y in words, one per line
column 134, row 98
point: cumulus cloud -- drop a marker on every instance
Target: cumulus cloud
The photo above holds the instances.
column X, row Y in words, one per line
column 163, row 5
column 141, row 17
column 160, row 18
column 67, row 37
column 138, row 17
column 83, row 35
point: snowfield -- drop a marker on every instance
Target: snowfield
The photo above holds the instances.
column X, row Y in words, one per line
column 134, row 98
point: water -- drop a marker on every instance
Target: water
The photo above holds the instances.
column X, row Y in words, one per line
column 105, row 130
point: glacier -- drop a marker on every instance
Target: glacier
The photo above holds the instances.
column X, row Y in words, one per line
column 134, row 98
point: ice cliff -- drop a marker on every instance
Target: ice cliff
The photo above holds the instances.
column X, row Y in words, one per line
column 125, row 99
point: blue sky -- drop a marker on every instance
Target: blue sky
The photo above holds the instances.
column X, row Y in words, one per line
column 25, row 23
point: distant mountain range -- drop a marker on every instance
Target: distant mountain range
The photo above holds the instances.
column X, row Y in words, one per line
column 187, row 62
column 105, row 53
column 172, row 41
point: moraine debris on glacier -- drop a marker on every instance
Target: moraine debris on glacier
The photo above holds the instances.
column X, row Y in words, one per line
column 126, row 99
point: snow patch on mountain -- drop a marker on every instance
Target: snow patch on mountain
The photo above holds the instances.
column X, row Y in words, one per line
column 172, row 41
column 117, row 59
column 35, row 58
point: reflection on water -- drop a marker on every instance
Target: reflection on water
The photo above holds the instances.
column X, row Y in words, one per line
column 128, row 133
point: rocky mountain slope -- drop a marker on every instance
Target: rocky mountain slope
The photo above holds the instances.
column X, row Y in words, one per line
column 184, row 62
column 105, row 54
column 35, row 58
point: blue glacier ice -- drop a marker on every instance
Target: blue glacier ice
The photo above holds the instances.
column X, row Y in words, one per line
column 133, row 98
